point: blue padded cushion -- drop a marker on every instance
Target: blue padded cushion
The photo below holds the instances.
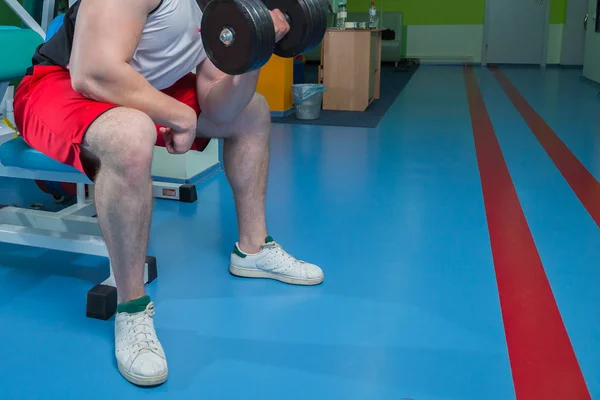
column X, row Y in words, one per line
column 17, row 153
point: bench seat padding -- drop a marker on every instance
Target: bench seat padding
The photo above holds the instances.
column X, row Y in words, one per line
column 17, row 153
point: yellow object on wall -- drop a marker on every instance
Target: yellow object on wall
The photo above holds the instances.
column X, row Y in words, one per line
column 275, row 83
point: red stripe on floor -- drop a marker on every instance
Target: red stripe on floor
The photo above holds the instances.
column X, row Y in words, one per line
column 542, row 359
column 583, row 183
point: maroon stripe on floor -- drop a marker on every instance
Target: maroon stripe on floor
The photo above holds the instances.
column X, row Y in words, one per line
column 542, row 359
column 583, row 183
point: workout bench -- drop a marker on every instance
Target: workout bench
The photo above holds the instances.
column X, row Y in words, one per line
column 74, row 229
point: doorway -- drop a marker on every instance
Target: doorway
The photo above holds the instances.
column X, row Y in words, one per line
column 516, row 32
column 591, row 63
column 573, row 39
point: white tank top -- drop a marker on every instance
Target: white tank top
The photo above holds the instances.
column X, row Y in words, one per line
column 171, row 45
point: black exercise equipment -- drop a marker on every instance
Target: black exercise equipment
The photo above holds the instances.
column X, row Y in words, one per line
column 102, row 299
column 239, row 35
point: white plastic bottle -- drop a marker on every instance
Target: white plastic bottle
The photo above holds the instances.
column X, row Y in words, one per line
column 341, row 15
column 372, row 15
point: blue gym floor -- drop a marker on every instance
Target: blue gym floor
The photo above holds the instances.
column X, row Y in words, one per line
column 410, row 307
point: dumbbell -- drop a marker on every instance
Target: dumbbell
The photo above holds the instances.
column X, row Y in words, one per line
column 239, row 35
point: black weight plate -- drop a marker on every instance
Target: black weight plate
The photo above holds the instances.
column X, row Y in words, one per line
column 265, row 35
column 321, row 26
column 317, row 21
column 254, row 34
column 319, row 11
column 301, row 25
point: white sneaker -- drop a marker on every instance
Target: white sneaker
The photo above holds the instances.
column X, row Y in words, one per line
column 140, row 356
column 273, row 262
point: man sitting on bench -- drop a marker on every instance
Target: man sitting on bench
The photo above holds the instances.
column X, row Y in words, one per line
column 110, row 84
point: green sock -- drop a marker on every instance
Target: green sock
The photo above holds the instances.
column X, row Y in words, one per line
column 134, row 306
column 269, row 239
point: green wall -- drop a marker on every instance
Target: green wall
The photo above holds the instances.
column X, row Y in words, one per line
column 33, row 7
column 558, row 11
column 446, row 12
column 429, row 12
column 7, row 16
column 416, row 12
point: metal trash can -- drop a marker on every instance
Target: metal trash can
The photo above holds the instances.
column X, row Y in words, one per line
column 308, row 98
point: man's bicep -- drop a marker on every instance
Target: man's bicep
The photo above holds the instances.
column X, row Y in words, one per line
column 107, row 31
column 206, row 76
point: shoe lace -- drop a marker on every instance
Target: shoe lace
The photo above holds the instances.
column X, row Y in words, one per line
column 141, row 326
column 278, row 250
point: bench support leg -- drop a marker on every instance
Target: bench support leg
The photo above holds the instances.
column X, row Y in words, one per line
column 185, row 193
column 102, row 298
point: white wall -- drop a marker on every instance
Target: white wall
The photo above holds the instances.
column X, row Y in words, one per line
column 463, row 43
column 184, row 166
column 199, row 161
column 444, row 43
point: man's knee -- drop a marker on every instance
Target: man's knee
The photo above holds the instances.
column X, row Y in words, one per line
column 258, row 114
column 138, row 139
column 128, row 142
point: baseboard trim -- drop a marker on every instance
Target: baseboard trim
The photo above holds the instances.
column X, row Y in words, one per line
column 282, row 114
column 569, row 66
column 591, row 82
column 194, row 180
column 206, row 174
column 515, row 65
column 553, row 65
column 168, row 179
column 449, row 64
column 563, row 66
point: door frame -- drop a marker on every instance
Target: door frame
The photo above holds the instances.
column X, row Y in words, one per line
column 592, row 40
column 486, row 32
column 573, row 24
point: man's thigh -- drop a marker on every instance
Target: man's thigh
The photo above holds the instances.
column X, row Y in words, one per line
column 52, row 117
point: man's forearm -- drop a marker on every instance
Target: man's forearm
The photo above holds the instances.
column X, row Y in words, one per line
column 229, row 96
column 124, row 86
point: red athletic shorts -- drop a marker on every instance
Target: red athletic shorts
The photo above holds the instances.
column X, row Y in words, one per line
column 53, row 118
